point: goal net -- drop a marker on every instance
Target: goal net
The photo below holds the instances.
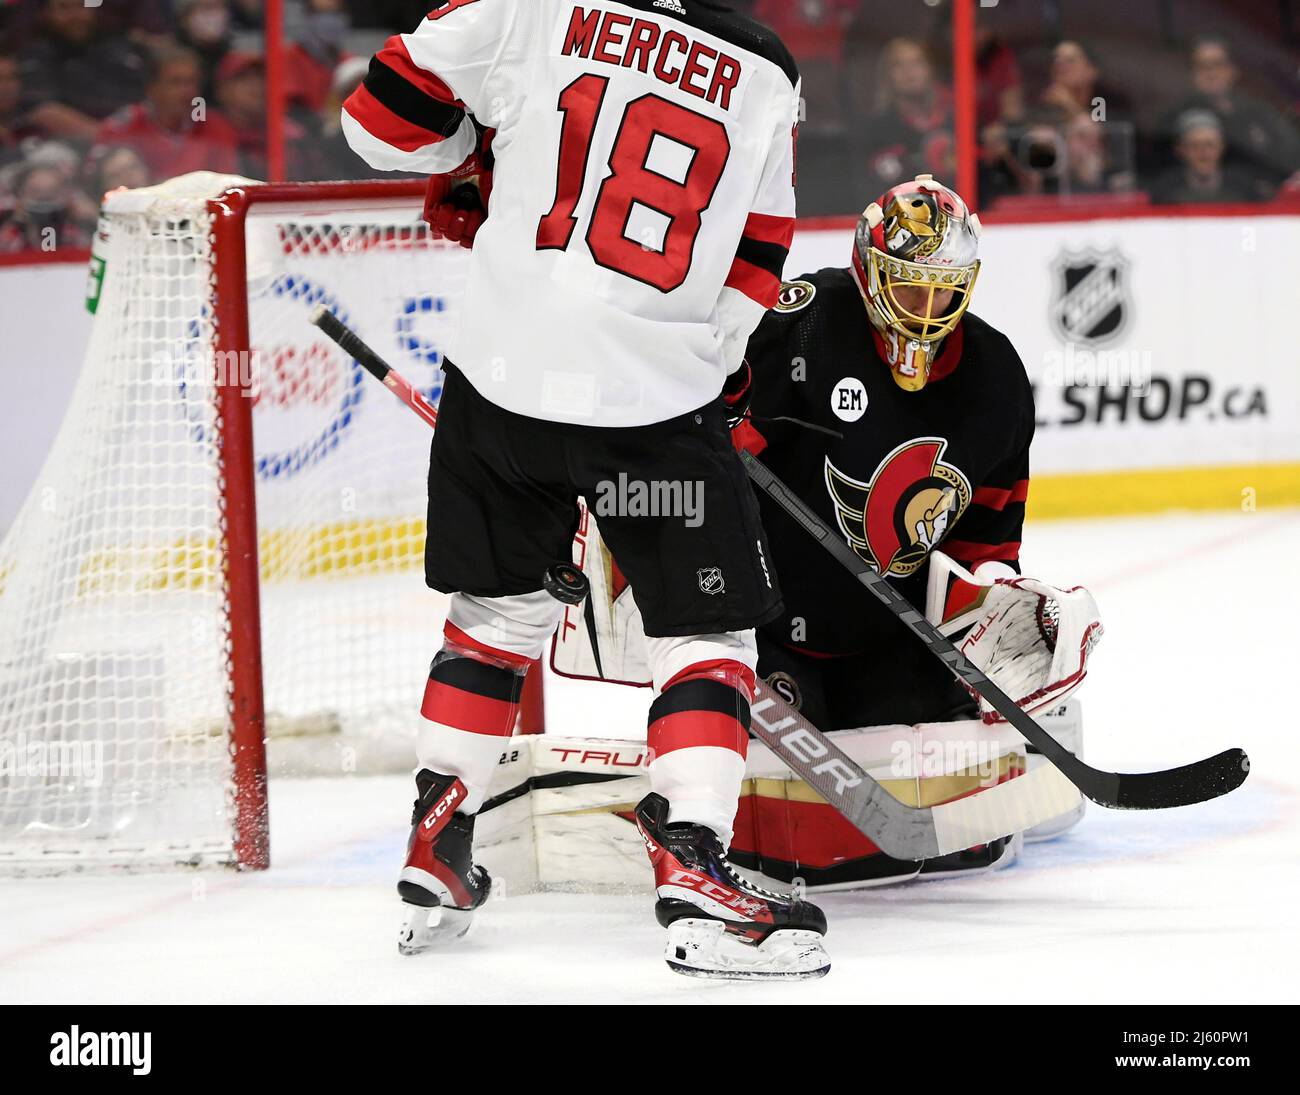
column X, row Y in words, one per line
column 169, row 581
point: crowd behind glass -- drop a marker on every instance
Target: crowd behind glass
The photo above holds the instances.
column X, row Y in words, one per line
column 1194, row 102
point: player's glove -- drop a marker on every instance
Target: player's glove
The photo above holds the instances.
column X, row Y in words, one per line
column 737, row 393
column 456, row 204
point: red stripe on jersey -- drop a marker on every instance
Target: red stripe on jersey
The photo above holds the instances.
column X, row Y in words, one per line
column 997, row 498
column 468, row 711
column 757, row 284
column 464, row 639
column 693, row 729
column 397, row 57
column 769, row 229
column 382, row 124
column 972, row 553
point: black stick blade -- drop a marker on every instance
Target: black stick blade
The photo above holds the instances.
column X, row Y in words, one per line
column 1199, row 782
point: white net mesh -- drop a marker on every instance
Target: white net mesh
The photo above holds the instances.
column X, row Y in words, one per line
column 114, row 725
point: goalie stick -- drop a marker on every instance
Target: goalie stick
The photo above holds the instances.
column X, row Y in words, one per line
column 1196, row 782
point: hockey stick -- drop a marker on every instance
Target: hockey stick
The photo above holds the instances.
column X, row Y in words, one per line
column 1205, row 779
column 901, row 831
column 375, row 365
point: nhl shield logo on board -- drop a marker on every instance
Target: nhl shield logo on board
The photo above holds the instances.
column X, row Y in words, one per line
column 1091, row 303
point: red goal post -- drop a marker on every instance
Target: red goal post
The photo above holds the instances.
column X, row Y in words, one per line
column 229, row 212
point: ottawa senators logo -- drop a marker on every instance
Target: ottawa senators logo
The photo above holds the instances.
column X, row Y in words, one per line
column 912, row 500
column 795, row 296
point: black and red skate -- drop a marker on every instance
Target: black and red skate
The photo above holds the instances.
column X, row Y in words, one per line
column 719, row 924
column 440, row 886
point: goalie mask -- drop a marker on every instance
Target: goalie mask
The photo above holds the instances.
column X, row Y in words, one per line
column 915, row 262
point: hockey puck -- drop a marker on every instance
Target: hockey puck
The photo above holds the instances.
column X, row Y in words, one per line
column 566, row 583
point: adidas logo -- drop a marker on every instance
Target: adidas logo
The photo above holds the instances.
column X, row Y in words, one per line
column 675, row 6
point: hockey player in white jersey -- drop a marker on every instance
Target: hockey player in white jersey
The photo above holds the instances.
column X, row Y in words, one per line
column 636, row 163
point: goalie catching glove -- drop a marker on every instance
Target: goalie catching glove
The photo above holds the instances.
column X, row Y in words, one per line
column 1033, row 640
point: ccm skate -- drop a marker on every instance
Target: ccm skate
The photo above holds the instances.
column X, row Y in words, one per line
column 440, row 886
column 719, row 924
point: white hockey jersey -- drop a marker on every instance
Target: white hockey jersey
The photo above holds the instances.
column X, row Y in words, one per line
column 643, row 195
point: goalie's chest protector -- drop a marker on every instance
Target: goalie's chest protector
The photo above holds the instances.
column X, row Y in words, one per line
column 907, row 467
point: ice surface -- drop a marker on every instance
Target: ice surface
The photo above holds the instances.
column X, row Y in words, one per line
column 1184, row 906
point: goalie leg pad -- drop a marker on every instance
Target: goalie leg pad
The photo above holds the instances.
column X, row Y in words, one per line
column 1066, row 726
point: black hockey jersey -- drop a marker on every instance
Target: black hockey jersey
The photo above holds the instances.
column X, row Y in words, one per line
column 944, row 467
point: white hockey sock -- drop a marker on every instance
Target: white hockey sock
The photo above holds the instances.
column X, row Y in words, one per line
column 471, row 756
column 702, row 786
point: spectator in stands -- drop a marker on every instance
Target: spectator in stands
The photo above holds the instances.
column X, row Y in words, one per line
column 1202, row 176
column 814, row 31
column 41, row 218
column 15, row 129
column 112, row 167
column 911, row 131
column 74, row 74
column 174, row 129
column 318, row 45
column 1076, row 87
column 1000, row 94
column 338, row 161
column 139, row 20
column 247, row 14
column 67, row 161
column 1258, row 140
column 1001, row 171
column 241, row 97
column 204, row 27
column 1088, row 168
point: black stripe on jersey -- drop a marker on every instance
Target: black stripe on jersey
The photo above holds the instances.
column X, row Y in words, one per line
column 766, row 256
column 730, row 26
column 472, row 675
column 701, row 695
column 409, row 103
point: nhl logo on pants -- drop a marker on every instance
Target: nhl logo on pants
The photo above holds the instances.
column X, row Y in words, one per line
column 711, row 580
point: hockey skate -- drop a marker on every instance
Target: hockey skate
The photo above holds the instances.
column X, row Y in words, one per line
column 720, row 925
column 440, row 886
